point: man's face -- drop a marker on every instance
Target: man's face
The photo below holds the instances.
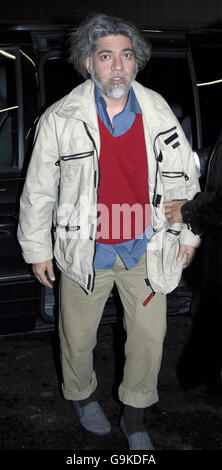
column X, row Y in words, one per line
column 113, row 66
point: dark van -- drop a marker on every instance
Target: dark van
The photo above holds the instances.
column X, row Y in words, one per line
column 185, row 68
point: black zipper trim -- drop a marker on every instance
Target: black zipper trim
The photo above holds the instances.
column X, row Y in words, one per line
column 174, row 232
column 91, row 232
column 173, row 174
column 183, row 199
column 157, row 161
column 171, row 138
column 96, row 176
column 164, row 132
column 89, row 282
column 178, row 174
column 89, row 135
column 77, row 156
column 68, row 228
column 91, row 279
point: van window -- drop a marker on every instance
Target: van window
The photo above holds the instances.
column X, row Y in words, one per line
column 207, row 60
column 8, row 111
column 59, row 78
column 30, row 106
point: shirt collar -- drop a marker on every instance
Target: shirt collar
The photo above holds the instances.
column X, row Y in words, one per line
column 132, row 104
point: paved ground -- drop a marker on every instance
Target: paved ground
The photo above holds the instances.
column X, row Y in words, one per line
column 34, row 415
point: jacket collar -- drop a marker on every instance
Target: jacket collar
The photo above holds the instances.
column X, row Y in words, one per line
column 80, row 104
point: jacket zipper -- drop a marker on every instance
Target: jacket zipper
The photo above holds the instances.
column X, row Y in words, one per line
column 158, row 159
column 96, row 173
column 96, row 185
column 77, row 156
column 175, row 174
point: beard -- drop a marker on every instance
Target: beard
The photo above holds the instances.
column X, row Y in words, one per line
column 114, row 90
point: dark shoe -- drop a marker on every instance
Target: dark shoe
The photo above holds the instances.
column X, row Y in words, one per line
column 92, row 418
column 137, row 441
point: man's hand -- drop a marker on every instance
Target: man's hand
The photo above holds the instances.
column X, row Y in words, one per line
column 189, row 252
column 173, row 211
column 43, row 272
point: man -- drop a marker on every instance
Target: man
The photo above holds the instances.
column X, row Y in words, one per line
column 110, row 145
column 201, row 361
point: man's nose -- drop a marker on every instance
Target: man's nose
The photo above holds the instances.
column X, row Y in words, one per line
column 117, row 63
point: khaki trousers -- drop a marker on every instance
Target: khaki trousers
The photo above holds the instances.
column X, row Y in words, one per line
column 145, row 327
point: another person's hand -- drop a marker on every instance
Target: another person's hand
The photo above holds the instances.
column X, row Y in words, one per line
column 44, row 272
column 173, row 211
column 189, row 252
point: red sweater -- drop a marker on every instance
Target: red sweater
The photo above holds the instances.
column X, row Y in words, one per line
column 123, row 195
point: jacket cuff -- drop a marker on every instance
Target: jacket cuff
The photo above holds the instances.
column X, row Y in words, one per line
column 34, row 258
column 187, row 237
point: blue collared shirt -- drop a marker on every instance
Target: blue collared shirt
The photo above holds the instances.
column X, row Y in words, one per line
column 123, row 121
column 130, row 252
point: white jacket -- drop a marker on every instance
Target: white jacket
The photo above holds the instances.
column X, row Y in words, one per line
column 63, row 177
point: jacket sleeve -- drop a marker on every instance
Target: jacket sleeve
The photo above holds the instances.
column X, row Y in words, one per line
column 39, row 194
column 192, row 174
column 182, row 159
column 203, row 212
column 187, row 236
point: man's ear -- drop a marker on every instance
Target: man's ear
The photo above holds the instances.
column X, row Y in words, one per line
column 87, row 64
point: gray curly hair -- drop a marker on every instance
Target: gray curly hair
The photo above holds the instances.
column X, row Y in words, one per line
column 83, row 40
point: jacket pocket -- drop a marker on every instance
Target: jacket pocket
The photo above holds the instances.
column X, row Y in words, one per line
column 74, row 157
column 175, row 185
column 77, row 156
column 73, row 165
column 174, row 174
column 163, row 269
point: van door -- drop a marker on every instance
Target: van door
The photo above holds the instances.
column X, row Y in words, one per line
column 206, row 52
column 19, row 293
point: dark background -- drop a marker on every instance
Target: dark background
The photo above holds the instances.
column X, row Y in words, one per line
column 144, row 13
